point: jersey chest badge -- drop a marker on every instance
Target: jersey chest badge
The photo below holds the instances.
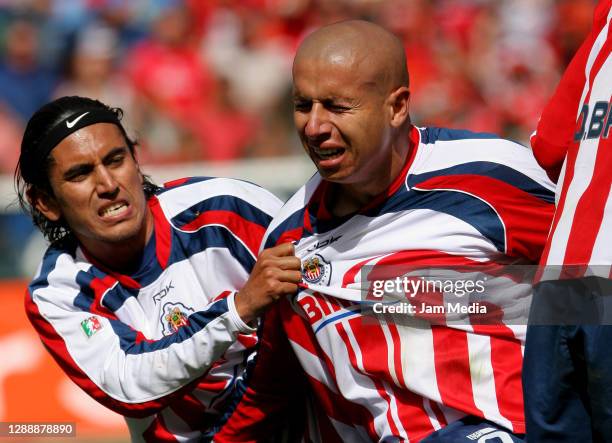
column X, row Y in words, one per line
column 316, row 270
column 174, row 316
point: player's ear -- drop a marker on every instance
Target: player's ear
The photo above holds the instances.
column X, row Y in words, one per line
column 399, row 101
column 45, row 203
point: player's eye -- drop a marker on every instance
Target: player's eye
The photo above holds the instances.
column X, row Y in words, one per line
column 77, row 175
column 302, row 105
column 116, row 160
column 337, row 108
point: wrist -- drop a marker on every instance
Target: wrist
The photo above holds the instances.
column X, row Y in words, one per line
column 243, row 307
column 245, row 323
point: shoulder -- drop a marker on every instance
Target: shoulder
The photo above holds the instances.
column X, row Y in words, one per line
column 216, row 193
column 448, row 155
column 463, row 146
column 60, row 267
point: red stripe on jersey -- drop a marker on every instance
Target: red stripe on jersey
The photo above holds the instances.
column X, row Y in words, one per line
column 589, row 212
column 342, row 331
column 213, row 386
column 326, row 430
column 315, row 202
column 414, row 140
column 556, row 128
column 191, row 411
column 437, row 412
column 300, row 333
column 416, row 259
column 177, row 182
column 248, row 341
column 506, row 361
column 248, row 232
column 99, row 287
column 349, row 276
column 567, row 178
column 453, row 373
column 140, row 337
column 412, row 414
column 526, row 218
column 397, row 352
column 576, row 68
column 400, row 263
column 323, row 304
column 339, row 408
column 375, row 356
column 57, row 347
column 290, row 236
column 223, row 295
column 125, row 280
column 163, row 233
column 298, row 330
column 158, row 432
column 425, row 257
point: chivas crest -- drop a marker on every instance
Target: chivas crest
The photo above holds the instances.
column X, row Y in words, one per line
column 316, row 270
column 174, row 317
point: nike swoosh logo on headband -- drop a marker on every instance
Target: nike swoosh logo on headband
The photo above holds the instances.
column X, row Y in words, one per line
column 74, row 122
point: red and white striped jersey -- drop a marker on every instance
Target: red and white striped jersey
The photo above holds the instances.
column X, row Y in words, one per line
column 572, row 142
column 164, row 346
column 461, row 198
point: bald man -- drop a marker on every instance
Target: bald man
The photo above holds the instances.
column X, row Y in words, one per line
column 389, row 193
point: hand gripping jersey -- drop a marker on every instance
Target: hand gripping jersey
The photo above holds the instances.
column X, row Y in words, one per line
column 461, row 198
column 573, row 142
column 164, row 346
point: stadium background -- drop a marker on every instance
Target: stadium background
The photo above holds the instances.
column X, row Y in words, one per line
column 206, row 88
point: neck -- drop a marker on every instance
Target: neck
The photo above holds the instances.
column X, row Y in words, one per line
column 123, row 256
column 347, row 198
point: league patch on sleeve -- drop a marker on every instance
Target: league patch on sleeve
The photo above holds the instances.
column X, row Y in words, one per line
column 91, row 325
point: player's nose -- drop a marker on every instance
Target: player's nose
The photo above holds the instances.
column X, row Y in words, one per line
column 318, row 123
column 106, row 184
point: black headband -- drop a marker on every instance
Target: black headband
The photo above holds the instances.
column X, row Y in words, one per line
column 71, row 124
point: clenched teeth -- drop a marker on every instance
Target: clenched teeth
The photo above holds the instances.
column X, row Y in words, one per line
column 328, row 153
column 114, row 210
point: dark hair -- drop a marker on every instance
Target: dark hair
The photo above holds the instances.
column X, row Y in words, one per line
column 33, row 181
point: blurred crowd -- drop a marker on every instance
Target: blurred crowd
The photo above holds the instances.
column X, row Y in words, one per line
column 211, row 79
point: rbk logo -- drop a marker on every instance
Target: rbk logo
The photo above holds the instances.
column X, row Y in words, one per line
column 70, row 124
column 162, row 293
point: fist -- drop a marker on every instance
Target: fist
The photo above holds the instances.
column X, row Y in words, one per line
column 277, row 272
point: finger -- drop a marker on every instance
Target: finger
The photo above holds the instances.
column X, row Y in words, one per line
column 289, row 263
column 289, row 277
column 284, row 249
column 288, row 288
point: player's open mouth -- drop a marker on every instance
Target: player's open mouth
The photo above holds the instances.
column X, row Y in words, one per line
column 114, row 210
column 327, row 154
